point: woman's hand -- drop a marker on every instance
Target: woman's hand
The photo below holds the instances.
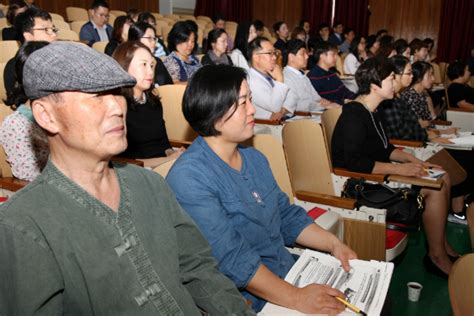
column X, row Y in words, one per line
column 411, row 169
column 318, row 299
column 172, row 153
column 449, row 131
column 344, row 254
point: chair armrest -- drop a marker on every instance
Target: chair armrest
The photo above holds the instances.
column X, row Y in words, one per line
column 406, row 143
column 180, row 143
column 267, row 122
column 325, row 199
column 434, row 184
column 302, row 113
column 461, row 110
column 12, row 184
column 129, row 161
column 441, row 122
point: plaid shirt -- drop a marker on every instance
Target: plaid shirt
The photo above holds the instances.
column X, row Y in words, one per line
column 400, row 122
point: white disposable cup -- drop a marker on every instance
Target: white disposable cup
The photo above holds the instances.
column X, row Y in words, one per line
column 414, row 290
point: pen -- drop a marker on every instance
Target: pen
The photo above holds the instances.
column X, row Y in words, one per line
column 352, row 307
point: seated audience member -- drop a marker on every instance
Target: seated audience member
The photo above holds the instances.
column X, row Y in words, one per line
column 14, row 9
column 218, row 21
column 216, row 49
column 25, row 143
column 429, row 46
column 97, row 29
column 272, row 98
column 96, row 228
column 133, row 14
column 246, row 32
column 281, row 30
column 295, row 57
column 419, row 50
column 32, row 25
column 149, row 18
column 460, row 94
column 359, row 144
column 259, row 27
column 181, row 63
column 306, row 26
column 381, row 33
column 400, row 122
column 298, row 33
column 231, row 194
column 373, row 45
column 323, row 31
column 145, row 34
column 402, row 48
column 324, row 78
column 417, row 97
column 349, row 36
column 387, row 47
column 337, row 37
column 146, row 131
column 119, row 34
column 357, row 55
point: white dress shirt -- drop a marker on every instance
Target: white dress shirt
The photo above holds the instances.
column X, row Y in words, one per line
column 238, row 59
column 307, row 99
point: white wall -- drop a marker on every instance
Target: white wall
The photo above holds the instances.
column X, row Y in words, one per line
column 184, row 4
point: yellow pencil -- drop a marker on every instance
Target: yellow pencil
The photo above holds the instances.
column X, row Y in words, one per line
column 352, row 307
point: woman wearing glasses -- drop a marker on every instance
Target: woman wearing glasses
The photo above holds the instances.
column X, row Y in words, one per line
column 181, row 63
column 146, row 34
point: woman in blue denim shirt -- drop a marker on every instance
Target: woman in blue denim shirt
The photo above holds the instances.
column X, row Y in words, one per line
column 230, row 192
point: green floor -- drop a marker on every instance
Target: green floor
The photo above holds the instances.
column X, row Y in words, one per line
column 434, row 298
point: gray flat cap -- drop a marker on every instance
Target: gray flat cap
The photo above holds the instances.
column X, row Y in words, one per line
column 67, row 66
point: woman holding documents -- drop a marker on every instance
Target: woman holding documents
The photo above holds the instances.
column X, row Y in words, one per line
column 359, row 143
column 230, row 192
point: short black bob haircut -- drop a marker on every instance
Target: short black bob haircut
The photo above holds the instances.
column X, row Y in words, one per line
column 180, row 33
column 456, row 70
column 292, row 47
column 419, row 69
column 138, row 30
column 211, row 93
column 322, row 48
column 373, row 71
column 399, row 62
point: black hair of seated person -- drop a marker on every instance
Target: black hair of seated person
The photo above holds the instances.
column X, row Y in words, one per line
column 211, row 93
column 321, row 48
column 124, row 55
column 380, row 33
column 25, row 22
column 401, row 46
column 195, row 28
column 99, row 3
column 386, row 40
column 373, row 71
column 17, row 96
column 336, row 24
column 212, row 37
column 255, row 45
column 456, row 69
column 218, row 17
column 277, row 25
column 419, row 69
column 259, row 25
column 137, row 31
column 399, row 63
column 297, row 31
column 12, row 8
column 180, row 33
column 429, row 41
column 118, row 27
column 371, row 40
column 302, row 22
column 292, row 47
column 347, row 30
column 416, row 45
column 242, row 37
column 354, row 47
column 145, row 16
column 322, row 26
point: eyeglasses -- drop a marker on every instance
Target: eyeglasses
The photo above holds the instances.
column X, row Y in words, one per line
column 151, row 38
column 274, row 53
column 49, row 30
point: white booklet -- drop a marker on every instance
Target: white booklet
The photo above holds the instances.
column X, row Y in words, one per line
column 365, row 285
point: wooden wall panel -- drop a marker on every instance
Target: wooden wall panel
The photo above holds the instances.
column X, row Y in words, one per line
column 59, row 6
column 271, row 11
column 406, row 18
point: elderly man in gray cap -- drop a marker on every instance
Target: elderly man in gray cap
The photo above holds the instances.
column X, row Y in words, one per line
column 93, row 237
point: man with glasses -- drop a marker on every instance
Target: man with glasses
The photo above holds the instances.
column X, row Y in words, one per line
column 97, row 29
column 271, row 97
column 33, row 25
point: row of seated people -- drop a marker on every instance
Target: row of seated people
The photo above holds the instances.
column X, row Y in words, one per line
column 228, row 190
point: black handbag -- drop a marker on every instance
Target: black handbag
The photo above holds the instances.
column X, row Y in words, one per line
column 404, row 205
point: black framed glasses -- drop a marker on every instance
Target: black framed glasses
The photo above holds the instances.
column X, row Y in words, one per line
column 49, row 30
column 151, row 38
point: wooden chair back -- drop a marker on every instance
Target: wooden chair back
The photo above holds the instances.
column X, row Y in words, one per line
column 3, row 92
column 111, row 19
column 5, row 169
column 340, row 65
column 157, row 15
column 329, row 120
column 8, row 50
column 164, row 168
column 176, row 125
column 307, row 157
column 56, row 17
column 461, row 286
column 99, row 46
column 77, row 14
column 273, row 151
column 3, row 23
column 77, row 25
column 437, row 73
column 68, row 35
column 204, row 18
column 61, row 25
column 117, row 13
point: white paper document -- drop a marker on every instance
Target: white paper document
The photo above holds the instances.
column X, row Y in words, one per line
column 365, row 285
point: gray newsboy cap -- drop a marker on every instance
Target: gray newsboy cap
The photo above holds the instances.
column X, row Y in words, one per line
column 67, row 66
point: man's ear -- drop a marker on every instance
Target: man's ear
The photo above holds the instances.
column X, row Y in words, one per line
column 28, row 36
column 44, row 114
